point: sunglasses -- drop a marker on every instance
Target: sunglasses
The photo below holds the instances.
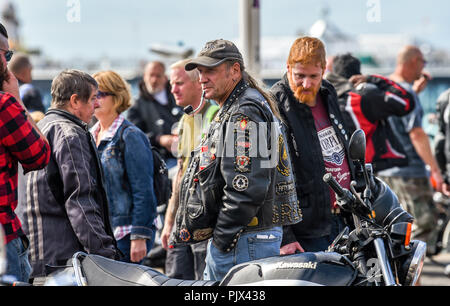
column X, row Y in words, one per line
column 8, row 54
column 101, row 94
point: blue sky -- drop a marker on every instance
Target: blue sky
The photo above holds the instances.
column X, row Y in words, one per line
column 126, row 29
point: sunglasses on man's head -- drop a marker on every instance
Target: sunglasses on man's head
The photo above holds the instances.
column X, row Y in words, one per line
column 8, row 54
column 101, row 94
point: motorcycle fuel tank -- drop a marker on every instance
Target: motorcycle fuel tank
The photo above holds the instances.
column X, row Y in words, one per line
column 305, row 269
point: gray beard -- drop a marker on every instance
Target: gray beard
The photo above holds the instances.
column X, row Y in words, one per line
column 152, row 90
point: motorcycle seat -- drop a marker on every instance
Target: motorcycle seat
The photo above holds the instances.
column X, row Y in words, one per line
column 102, row 271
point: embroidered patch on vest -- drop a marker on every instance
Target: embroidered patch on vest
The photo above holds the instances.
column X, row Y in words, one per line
column 243, row 164
column 243, row 145
column 185, row 235
column 202, row 234
column 286, row 213
column 242, row 123
column 283, row 159
column 285, row 188
column 240, row 183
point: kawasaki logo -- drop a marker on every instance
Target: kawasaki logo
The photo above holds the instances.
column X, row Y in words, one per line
column 297, row 265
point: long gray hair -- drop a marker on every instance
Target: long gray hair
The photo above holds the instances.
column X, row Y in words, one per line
column 254, row 83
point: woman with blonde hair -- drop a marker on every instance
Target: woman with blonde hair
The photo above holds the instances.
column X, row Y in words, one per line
column 127, row 162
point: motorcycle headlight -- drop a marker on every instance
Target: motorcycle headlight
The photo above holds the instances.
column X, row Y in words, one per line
column 412, row 266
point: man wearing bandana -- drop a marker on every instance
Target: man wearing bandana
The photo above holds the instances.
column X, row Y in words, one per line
column 317, row 143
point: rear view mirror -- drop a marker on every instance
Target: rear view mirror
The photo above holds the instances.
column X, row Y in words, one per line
column 357, row 148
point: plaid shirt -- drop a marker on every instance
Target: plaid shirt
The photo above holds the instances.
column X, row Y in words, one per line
column 111, row 130
column 19, row 143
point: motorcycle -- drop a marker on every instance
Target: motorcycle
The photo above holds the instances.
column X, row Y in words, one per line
column 377, row 251
column 443, row 225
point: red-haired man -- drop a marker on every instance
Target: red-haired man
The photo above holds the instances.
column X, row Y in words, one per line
column 318, row 144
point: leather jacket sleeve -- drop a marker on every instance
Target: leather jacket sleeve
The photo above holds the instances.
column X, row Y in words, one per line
column 246, row 187
column 75, row 160
column 385, row 98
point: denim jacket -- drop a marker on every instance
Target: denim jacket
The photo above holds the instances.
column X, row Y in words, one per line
column 129, row 178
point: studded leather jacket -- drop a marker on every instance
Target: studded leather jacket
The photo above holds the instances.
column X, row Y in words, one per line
column 239, row 179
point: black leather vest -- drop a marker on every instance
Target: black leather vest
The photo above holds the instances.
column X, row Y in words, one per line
column 240, row 177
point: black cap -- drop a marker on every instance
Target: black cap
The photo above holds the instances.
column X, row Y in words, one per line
column 214, row 53
column 346, row 65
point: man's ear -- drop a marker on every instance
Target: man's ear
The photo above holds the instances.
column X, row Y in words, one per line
column 74, row 101
column 236, row 69
column 288, row 68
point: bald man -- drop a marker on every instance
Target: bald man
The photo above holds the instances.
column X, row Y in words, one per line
column 155, row 112
column 412, row 182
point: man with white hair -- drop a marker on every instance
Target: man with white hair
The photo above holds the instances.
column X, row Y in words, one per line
column 155, row 111
column 186, row 261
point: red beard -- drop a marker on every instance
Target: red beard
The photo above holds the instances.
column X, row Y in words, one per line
column 301, row 95
column 305, row 97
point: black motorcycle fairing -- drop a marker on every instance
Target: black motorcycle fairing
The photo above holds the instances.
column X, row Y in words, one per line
column 320, row 268
column 387, row 208
column 102, row 271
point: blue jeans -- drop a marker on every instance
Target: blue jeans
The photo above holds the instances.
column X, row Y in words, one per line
column 18, row 264
column 250, row 246
column 124, row 246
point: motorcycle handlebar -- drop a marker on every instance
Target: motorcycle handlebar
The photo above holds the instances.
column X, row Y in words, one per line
column 329, row 179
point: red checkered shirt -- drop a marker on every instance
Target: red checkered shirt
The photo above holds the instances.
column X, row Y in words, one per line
column 19, row 143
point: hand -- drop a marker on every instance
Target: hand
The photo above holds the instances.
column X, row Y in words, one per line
column 446, row 189
column 420, row 84
column 138, row 250
column 11, row 85
column 437, row 179
column 167, row 141
column 291, row 248
column 357, row 79
column 165, row 235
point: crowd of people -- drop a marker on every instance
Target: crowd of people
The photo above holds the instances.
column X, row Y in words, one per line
column 247, row 162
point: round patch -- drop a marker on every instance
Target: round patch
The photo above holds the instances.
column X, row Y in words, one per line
column 240, row 182
column 185, row 235
column 336, row 158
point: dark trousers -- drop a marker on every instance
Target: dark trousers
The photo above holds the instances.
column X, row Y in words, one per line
column 186, row 261
column 319, row 244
